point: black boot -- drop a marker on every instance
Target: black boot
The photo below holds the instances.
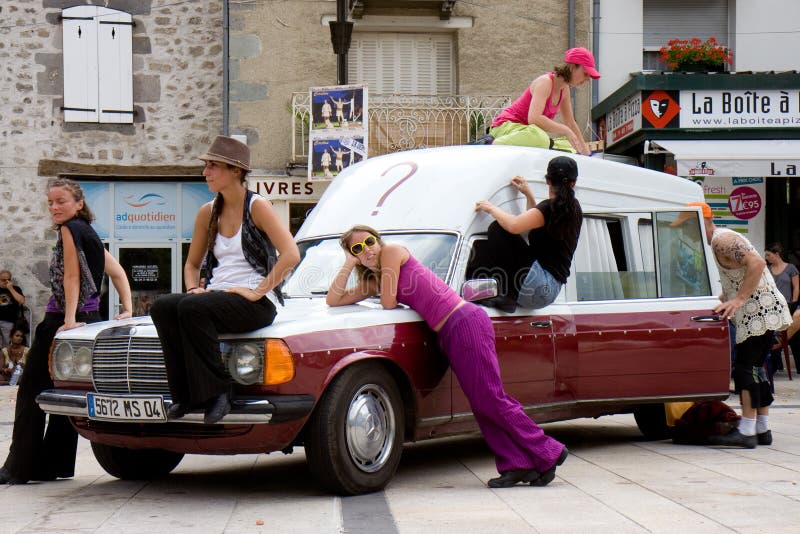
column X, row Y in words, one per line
column 218, row 408
column 502, row 303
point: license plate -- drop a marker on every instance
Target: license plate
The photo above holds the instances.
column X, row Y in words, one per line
column 125, row 408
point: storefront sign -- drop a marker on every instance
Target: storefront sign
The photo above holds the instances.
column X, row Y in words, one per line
column 738, row 204
column 729, row 167
column 754, row 108
column 287, row 188
column 145, row 211
column 624, row 120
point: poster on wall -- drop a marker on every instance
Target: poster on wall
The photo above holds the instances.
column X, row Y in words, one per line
column 330, row 156
column 339, row 129
column 738, row 204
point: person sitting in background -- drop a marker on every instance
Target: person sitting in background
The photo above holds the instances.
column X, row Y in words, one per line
column 787, row 279
column 786, row 275
column 529, row 120
column 11, row 301
column 15, row 353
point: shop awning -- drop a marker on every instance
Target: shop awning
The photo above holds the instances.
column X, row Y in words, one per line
column 779, row 158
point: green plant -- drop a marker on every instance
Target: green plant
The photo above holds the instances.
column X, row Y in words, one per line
column 683, row 52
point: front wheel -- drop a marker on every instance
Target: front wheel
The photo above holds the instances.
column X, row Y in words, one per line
column 135, row 464
column 354, row 438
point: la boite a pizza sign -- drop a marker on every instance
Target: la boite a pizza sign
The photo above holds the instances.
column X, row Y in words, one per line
column 624, row 120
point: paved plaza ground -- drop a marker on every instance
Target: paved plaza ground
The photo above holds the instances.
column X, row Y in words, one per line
column 613, row 481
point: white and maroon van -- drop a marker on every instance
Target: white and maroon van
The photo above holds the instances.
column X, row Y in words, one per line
column 631, row 329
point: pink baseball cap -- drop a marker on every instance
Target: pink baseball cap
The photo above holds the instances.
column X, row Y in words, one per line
column 583, row 57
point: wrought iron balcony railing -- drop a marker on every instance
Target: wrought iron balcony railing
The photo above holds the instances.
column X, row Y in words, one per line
column 403, row 122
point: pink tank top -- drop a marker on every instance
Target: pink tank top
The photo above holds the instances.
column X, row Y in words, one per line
column 518, row 110
column 426, row 293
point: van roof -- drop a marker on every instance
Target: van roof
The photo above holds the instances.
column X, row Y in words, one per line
column 437, row 188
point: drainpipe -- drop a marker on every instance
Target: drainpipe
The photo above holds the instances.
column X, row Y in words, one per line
column 571, row 39
column 596, row 47
column 225, row 64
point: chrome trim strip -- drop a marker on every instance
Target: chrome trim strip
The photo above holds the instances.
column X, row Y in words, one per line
column 532, row 408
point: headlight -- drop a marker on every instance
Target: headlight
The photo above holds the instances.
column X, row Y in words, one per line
column 269, row 363
column 72, row 360
column 246, row 362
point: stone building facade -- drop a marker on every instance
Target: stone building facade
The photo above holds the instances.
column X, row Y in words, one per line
column 177, row 95
column 278, row 47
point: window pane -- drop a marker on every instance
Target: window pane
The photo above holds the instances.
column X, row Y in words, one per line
column 606, row 267
column 681, row 256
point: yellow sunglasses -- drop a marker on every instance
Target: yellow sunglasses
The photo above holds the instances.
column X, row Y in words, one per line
column 358, row 248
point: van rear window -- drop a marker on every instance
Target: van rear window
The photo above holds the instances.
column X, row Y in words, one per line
column 627, row 257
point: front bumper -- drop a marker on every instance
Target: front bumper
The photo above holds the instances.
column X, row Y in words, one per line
column 244, row 410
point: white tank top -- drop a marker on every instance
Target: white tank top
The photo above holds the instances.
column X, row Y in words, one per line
column 233, row 269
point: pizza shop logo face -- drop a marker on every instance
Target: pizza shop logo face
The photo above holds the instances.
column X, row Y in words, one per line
column 702, row 168
column 660, row 109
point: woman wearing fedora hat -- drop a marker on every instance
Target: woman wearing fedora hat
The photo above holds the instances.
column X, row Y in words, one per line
column 247, row 252
column 529, row 120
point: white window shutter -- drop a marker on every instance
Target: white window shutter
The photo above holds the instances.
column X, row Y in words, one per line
column 115, row 67
column 98, row 65
column 80, row 64
column 405, row 63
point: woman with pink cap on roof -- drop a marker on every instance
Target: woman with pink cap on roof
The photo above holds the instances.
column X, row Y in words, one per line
column 529, row 120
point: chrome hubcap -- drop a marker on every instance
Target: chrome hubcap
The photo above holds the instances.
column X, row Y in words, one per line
column 370, row 428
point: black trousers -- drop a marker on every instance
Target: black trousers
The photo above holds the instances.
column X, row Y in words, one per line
column 188, row 326
column 508, row 259
column 34, row 453
column 748, row 372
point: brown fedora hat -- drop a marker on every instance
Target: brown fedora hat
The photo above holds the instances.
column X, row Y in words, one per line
column 228, row 150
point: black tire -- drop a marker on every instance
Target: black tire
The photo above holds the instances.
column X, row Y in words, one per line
column 652, row 421
column 344, row 455
column 135, row 464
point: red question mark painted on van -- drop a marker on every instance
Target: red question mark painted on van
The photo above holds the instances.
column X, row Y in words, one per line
column 400, row 181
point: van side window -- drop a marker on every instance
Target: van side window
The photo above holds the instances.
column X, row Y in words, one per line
column 681, row 257
column 604, row 267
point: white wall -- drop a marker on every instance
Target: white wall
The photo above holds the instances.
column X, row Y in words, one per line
column 760, row 43
column 621, row 42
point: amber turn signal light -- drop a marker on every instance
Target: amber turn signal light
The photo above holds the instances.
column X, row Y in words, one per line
column 279, row 364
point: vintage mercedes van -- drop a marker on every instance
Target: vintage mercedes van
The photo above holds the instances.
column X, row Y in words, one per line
column 632, row 328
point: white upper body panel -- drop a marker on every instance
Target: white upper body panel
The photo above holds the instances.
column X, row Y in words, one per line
column 437, row 188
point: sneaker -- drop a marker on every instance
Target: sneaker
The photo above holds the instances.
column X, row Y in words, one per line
column 765, row 438
column 734, row 438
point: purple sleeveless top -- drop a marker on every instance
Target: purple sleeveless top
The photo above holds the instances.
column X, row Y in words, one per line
column 518, row 110
column 426, row 293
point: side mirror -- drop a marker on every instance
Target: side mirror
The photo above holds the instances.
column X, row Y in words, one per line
column 479, row 289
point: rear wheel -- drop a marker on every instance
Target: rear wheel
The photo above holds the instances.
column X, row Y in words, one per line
column 354, row 438
column 135, row 464
column 652, row 421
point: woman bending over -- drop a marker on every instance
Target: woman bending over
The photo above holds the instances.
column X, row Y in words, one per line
column 523, row 453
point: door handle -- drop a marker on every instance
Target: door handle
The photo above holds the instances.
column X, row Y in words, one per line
column 541, row 324
column 706, row 318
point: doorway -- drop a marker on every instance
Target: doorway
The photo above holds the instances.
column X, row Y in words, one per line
column 152, row 270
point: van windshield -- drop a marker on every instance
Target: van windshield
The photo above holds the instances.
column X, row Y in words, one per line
column 321, row 259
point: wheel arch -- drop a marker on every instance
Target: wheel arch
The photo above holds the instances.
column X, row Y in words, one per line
column 400, row 377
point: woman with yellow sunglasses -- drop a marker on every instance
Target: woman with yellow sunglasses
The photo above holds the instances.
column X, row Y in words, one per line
column 523, row 453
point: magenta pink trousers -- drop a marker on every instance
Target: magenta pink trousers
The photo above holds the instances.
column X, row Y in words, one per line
column 467, row 338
